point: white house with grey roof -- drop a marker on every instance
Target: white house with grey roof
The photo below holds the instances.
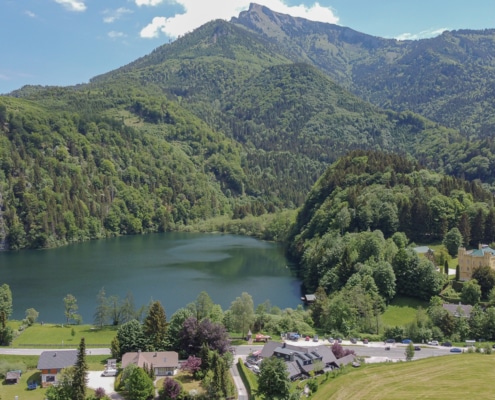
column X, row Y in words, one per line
column 51, row 363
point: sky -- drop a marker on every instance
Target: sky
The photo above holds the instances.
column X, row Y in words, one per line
column 67, row 42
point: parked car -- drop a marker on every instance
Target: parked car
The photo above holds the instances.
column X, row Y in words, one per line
column 390, row 341
column 447, row 344
column 434, row 343
column 455, row 350
column 315, row 338
column 406, row 341
column 339, row 340
column 365, row 341
column 353, row 340
column 417, row 348
column 331, row 340
column 307, row 338
column 109, row 372
column 493, row 346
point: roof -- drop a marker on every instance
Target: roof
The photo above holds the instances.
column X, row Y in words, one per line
column 57, row 359
column 304, row 354
column 158, row 359
column 13, row 375
column 454, row 309
column 422, row 249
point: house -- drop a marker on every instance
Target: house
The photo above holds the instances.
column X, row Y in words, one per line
column 471, row 259
column 308, row 298
column 164, row 363
column 458, row 310
column 52, row 362
column 301, row 360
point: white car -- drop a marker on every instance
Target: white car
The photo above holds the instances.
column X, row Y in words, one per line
column 434, row 343
column 109, row 372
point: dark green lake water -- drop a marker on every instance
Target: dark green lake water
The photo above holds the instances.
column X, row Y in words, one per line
column 170, row 267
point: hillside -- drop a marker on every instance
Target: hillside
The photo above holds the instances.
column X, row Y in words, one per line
column 448, row 79
column 220, row 122
column 385, row 194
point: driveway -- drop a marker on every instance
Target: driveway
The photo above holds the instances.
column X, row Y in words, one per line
column 95, row 380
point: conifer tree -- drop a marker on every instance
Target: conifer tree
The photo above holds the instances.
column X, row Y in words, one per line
column 80, row 373
column 155, row 326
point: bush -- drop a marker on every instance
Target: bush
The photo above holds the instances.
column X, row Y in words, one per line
column 313, row 385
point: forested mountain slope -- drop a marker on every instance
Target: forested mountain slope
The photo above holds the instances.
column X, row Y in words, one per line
column 219, row 122
column 449, row 79
column 369, row 204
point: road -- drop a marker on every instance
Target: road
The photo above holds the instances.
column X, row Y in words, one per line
column 373, row 352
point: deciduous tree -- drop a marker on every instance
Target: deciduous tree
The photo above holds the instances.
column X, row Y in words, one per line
column 70, row 309
column 242, row 310
column 273, row 379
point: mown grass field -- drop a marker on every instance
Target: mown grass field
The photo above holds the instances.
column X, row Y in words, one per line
column 402, row 310
column 450, row 378
column 56, row 335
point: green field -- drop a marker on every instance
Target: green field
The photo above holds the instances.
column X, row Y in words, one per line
column 402, row 310
column 51, row 335
column 447, row 377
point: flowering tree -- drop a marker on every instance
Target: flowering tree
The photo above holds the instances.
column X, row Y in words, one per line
column 192, row 364
column 171, row 389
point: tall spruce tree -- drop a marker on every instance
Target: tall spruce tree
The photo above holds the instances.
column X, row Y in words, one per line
column 155, row 327
column 80, row 378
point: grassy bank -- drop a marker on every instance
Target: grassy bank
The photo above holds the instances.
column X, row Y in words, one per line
column 448, row 377
column 51, row 335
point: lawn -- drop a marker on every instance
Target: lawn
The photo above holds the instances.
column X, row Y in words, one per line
column 187, row 381
column 402, row 310
column 51, row 335
column 447, row 377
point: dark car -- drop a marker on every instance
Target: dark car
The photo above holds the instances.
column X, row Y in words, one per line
column 353, row 340
column 339, row 340
column 365, row 341
column 387, row 347
column 493, row 346
column 331, row 339
column 447, row 344
column 390, row 341
column 417, row 348
column 455, row 350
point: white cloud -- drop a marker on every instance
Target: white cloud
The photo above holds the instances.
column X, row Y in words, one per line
column 114, row 15
column 30, row 14
column 429, row 33
column 196, row 14
column 72, row 5
column 148, row 2
column 116, row 35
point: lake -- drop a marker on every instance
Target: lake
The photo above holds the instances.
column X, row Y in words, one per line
column 170, row 267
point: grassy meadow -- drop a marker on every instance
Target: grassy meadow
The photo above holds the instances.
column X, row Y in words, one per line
column 402, row 310
column 51, row 335
column 439, row 378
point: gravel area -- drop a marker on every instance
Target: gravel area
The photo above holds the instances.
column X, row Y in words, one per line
column 95, row 380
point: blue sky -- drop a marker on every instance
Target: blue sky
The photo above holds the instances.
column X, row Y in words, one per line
column 66, row 42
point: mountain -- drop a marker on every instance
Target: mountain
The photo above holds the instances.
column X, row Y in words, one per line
column 228, row 120
column 449, row 79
